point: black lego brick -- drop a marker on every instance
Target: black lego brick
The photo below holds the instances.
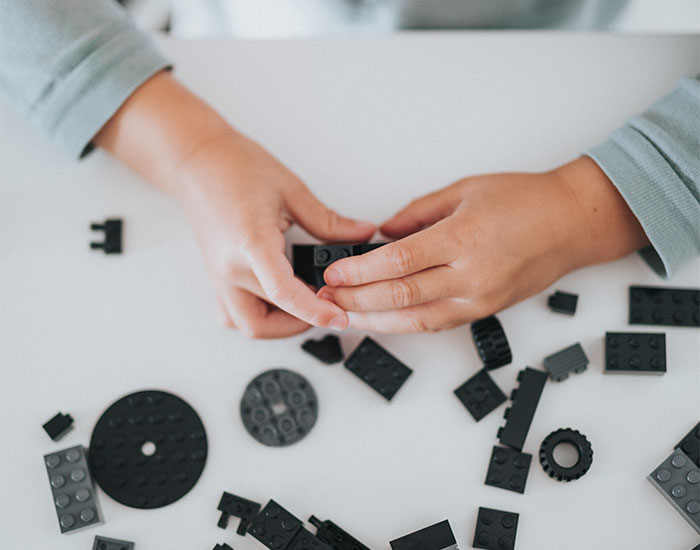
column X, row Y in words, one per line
column 673, row 307
column 508, row 469
column 104, row 543
column 690, row 444
column 520, row 414
column 275, row 527
column 327, row 349
column 58, row 426
column 491, row 342
column 112, row 243
column 305, row 540
column 563, row 302
column 325, row 255
column 635, row 353
column 330, row 533
column 233, row 505
column 566, row 361
column 435, row 537
column 378, row 368
column 223, row 546
column 495, row 529
column 480, row 395
column 311, row 260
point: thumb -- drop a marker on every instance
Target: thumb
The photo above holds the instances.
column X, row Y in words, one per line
column 322, row 222
column 419, row 214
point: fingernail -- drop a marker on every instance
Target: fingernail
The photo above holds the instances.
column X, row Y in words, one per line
column 339, row 323
column 333, row 276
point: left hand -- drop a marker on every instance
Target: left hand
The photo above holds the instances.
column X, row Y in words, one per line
column 482, row 244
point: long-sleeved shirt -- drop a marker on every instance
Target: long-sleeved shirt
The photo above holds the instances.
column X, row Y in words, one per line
column 68, row 65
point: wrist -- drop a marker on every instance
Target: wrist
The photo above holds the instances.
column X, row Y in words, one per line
column 601, row 227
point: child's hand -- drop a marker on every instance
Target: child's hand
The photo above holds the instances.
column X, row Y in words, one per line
column 481, row 245
column 240, row 201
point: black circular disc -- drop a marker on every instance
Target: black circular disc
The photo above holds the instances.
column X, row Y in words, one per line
column 148, row 449
column 279, row 407
column 580, row 443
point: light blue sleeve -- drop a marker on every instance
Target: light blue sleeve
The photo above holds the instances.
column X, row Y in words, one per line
column 654, row 161
column 68, row 65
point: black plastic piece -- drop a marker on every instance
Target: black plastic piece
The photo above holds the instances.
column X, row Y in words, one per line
column 311, row 260
column 435, row 537
column 508, row 469
column 673, row 307
column 327, row 349
column 495, row 529
column 330, row 533
column 556, row 470
column 117, row 449
column 635, row 353
column 279, row 408
column 112, row 243
column 380, row 370
column 58, row 426
column 223, row 546
column 232, row 505
column 305, row 540
column 480, row 395
column 563, row 302
column 491, row 342
column 275, row 527
column 104, row 543
column 566, row 361
column 520, row 414
column 690, row 444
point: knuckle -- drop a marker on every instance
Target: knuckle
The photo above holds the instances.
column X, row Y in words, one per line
column 332, row 222
column 404, row 293
column 417, row 324
column 402, row 258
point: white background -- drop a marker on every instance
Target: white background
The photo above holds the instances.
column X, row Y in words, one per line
column 369, row 123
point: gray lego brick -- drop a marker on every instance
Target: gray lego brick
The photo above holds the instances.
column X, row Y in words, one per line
column 103, row 543
column 72, row 489
column 678, row 480
column 566, row 361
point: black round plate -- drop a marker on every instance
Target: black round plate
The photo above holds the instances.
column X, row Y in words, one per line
column 148, row 449
column 279, row 407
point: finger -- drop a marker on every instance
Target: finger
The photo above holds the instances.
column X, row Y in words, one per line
column 420, row 213
column 426, row 286
column 257, row 319
column 325, row 224
column 427, row 248
column 282, row 288
column 429, row 317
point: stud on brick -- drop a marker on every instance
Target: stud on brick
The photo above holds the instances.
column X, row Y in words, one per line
column 495, row 529
column 378, row 368
column 678, row 479
column 274, row 526
column 480, row 395
column 635, row 353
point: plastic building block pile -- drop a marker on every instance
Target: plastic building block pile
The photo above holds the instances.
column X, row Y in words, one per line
column 148, row 449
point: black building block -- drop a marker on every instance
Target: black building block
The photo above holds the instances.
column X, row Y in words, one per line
column 673, row 307
column 495, row 530
column 223, row 546
column 58, row 426
column 566, row 361
column 305, row 540
column 327, row 349
column 690, row 444
column 480, row 395
column 104, row 543
column 378, row 368
column 330, row 533
column 520, row 414
column 635, row 353
column 491, row 342
column 563, row 302
column 326, row 254
column 435, row 537
column 275, row 527
column 112, row 243
column 232, row 505
column 508, row 469
column 311, row 260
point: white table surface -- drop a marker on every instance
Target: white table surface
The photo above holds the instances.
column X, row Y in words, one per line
column 368, row 122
